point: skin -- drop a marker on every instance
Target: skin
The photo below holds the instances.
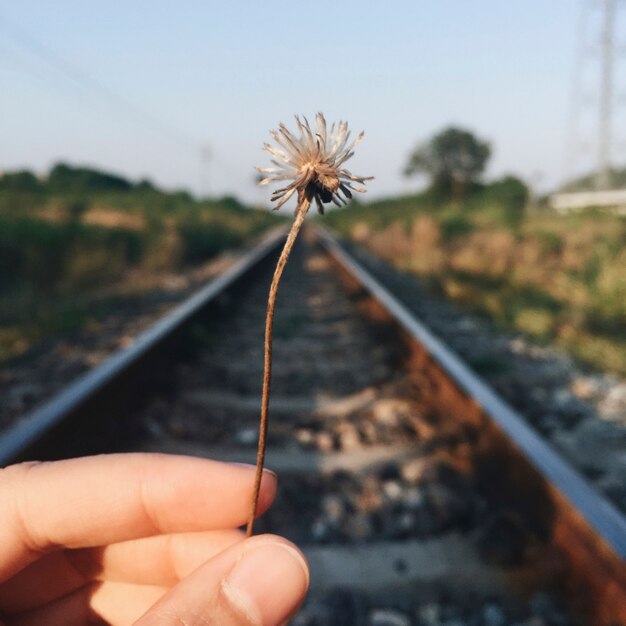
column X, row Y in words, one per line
column 142, row 539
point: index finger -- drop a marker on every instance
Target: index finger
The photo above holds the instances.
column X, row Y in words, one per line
column 106, row 499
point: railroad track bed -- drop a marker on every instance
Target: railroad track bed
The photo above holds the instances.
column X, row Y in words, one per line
column 583, row 414
column 398, row 481
column 371, row 475
column 39, row 373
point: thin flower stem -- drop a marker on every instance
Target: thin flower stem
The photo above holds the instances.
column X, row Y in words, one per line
column 304, row 203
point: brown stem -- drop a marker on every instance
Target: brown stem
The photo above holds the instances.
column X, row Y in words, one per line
column 304, row 204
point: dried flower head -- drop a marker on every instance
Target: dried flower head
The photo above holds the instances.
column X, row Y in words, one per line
column 313, row 162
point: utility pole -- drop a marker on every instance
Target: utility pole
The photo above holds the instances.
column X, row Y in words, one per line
column 604, row 52
column 205, row 164
column 593, row 105
column 605, row 106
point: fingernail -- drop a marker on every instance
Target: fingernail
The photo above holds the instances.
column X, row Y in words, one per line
column 249, row 466
column 268, row 583
column 244, row 465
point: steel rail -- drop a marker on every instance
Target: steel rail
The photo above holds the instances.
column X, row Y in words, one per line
column 17, row 441
column 585, row 526
column 599, row 512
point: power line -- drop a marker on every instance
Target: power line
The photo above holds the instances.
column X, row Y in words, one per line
column 576, row 98
column 92, row 87
column 81, row 78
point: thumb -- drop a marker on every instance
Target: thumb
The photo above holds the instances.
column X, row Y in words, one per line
column 258, row 582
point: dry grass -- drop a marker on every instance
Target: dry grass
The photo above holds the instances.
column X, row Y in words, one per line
column 111, row 218
column 558, row 279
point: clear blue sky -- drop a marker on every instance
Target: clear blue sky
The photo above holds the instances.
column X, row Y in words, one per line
column 149, row 82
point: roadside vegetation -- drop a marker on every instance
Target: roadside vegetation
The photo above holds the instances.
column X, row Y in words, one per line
column 556, row 278
column 78, row 232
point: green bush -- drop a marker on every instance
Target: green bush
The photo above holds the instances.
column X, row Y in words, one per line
column 41, row 253
column 66, row 237
column 560, row 278
column 508, row 191
column 21, row 181
column 65, row 178
column 455, row 225
column 201, row 240
column 551, row 242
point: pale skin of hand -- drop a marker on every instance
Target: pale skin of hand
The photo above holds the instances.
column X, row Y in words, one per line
column 143, row 539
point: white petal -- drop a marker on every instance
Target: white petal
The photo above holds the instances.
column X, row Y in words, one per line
column 285, row 198
column 287, row 143
column 342, row 159
column 291, row 141
column 306, row 136
column 320, row 127
column 276, row 179
column 277, row 153
column 285, row 167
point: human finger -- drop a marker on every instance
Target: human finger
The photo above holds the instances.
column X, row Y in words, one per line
column 159, row 560
column 259, row 582
column 166, row 559
column 115, row 604
column 111, row 498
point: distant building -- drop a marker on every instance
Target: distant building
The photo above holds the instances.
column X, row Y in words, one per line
column 569, row 202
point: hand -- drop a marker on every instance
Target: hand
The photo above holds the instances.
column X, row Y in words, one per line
column 143, row 539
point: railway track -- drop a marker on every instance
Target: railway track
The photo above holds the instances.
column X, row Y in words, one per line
column 418, row 495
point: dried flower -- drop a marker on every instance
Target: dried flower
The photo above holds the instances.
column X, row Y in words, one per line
column 313, row 162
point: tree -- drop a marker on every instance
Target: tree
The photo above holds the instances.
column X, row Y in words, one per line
column 453, row 159
column 509, row 192
column 23, row 181
column 66, row 179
